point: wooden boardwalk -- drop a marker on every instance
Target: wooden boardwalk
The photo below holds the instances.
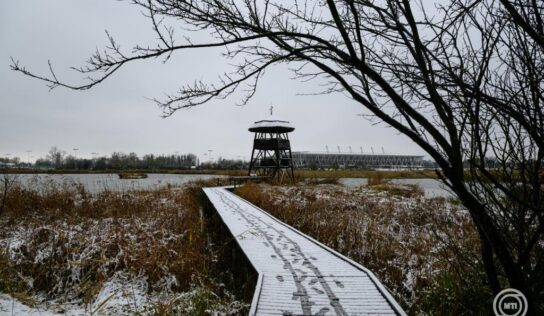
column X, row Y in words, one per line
column 297, row 274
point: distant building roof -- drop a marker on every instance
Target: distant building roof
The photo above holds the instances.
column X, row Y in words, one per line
column 332, row 153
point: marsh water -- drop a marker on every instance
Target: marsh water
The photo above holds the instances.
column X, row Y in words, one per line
column 431, row 187
column 110, row 181
column 95, row 183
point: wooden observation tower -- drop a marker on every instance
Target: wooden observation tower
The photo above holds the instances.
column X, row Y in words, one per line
column 271, row 155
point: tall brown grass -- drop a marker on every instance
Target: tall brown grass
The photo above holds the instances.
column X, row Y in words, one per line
column 425, row 251
column 376, row 179
column 61, row 242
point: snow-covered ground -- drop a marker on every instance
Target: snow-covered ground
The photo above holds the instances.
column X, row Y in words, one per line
column 12, row 306
column 124, row 295
column 121, row 295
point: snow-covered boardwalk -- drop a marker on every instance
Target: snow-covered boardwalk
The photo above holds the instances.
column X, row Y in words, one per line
column 297, row 274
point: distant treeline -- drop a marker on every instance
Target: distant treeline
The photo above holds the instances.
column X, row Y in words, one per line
column 222, row 163
column 58, row 159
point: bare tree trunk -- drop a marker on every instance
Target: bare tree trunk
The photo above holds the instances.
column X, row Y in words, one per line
column 489, row 264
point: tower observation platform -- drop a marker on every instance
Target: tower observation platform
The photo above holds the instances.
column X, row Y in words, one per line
column 271, row 155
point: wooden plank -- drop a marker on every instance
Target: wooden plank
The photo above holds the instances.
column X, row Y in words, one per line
column 297, row 274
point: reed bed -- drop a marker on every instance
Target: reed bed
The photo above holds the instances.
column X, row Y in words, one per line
column 136, row 252
column 424, row 250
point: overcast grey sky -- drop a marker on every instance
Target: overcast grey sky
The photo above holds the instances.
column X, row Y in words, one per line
column 116, row 116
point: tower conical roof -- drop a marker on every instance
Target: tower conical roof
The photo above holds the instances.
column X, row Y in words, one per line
column 272, row 125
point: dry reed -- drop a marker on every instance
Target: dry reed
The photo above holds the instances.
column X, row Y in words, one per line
column 425, row 251
column 61, row 243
